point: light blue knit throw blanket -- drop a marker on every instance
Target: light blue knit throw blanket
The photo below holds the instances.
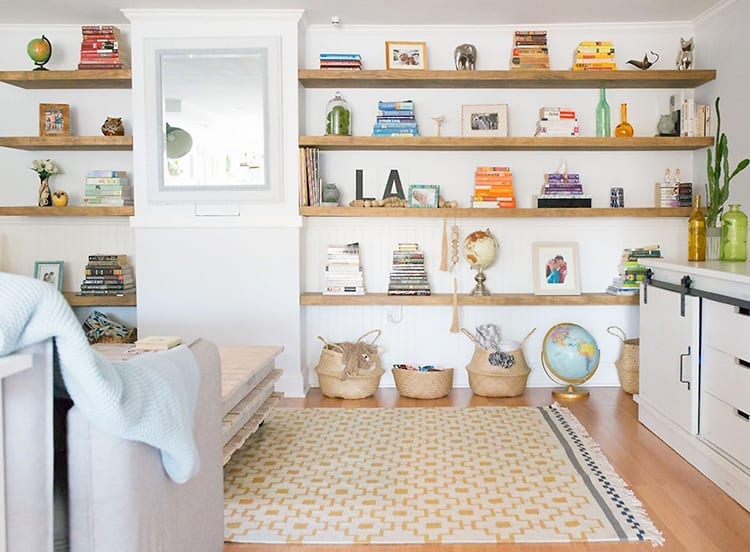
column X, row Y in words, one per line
column 151, row 398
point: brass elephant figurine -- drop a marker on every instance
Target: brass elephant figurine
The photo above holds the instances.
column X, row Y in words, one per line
column 465, row 56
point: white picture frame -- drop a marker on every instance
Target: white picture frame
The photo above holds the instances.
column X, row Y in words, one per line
column 484, row 120
column 556, row 268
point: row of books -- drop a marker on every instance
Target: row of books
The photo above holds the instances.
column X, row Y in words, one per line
column 107, row 274
column 529, row 50
column 310, row 182
column 106, row 187
column 408, row 275
column 395, row 118
column 493, row 187
column 343, row 273
column 595, row 56
column 101, row 48
column 691, row 119
column 343, row 60
column 557, row 121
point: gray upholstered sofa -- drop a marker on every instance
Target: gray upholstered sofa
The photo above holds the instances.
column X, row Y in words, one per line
column 120, row 499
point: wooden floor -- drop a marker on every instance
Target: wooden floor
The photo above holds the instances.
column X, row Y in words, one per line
column 692, row 513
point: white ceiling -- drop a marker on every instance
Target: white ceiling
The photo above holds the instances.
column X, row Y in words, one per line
column 409, row 12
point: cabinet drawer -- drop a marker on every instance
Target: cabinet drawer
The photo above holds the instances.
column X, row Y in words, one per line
column 723, row 426
column 725, row 378
column 725, row 329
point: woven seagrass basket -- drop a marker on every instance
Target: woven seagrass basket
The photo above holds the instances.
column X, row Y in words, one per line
column 487, row 380
column 627, row 364
column 332, row 379
column 423, row 385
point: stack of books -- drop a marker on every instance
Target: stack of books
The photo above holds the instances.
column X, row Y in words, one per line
column 105, row 187
column 493, row 187
column 562, row 190
column 101, row 48
column 530, row 50
column 630, row 271
column 557, row 121
column 395, row 119
column 309, row 172
column 679, row 194
column 595, row 56
column 343, row 60
column 344, row 271
column 108, row 275
column 408, row 275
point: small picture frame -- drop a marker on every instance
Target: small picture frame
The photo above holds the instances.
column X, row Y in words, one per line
column 50, row 272
column 423, row 195
column 54, row 119
column 484, row 120
column 406, row 55
column 556, row 268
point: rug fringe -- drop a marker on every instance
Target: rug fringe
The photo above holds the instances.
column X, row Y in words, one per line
column 640, row 515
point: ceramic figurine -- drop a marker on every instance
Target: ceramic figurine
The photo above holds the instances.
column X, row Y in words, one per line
column 645, row 63
column 465, row 56
column 685, row 57
column 59, row 198
column 113, row 127
column 330, row 193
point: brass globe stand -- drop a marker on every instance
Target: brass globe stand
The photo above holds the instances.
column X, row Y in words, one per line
column 480, row 289
column 570, row 394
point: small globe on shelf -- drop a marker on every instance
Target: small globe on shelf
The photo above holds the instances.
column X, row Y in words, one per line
column 480, row 250
column 40, row 52
column 570, row 355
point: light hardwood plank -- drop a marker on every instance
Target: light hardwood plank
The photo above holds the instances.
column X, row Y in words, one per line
column 51, row 79
column 318, row 299
column 493, row 213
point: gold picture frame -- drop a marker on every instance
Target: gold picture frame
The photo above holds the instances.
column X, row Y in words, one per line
column 54, row 120
column 406, row 55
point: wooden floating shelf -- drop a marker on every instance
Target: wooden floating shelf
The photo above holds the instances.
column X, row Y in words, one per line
column 446, row 299
column 90, row 143
column 520, row 143
column 493, row 213
column 88, row 78
column 75, row 300
column 517, row 78
column 69, row 211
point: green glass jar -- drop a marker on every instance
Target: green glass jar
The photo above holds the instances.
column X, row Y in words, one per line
column 734, row 235
column 338, row 117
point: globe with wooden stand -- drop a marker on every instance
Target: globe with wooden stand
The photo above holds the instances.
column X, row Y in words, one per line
column 570, row 356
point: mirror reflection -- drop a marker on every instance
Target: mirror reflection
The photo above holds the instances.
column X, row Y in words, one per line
column 213, row 106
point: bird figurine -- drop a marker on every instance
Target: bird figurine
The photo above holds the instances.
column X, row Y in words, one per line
column 645, row 63
column 439, row 120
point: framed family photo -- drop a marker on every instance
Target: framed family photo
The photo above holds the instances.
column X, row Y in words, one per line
column 556, row 268
column 484, row 120
column 406, row 55
column 423, row 195
column 54, row 120
column 50, row 272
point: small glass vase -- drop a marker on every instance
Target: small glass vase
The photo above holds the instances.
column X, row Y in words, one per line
column 45, row 196
column 713, row 243
column 734, row 235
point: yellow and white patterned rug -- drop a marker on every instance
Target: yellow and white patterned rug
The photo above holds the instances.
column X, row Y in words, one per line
column 427, row 475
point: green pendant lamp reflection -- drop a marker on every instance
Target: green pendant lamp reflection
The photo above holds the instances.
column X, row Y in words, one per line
column 178, row 142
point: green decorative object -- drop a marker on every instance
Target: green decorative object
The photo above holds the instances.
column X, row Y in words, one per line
column 569, row 355
column 40, row 52
column 338, row 117
column 717, row 191
column 734, row 235
column 603, row 125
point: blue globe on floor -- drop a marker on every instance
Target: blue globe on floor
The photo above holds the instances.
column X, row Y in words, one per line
column 570, row 355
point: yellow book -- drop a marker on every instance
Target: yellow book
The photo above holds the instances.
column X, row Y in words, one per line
column 158, row 342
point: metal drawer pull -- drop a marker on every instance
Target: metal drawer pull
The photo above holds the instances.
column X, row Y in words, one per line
column 744, row 415
column 682, row 357
column 744, row 363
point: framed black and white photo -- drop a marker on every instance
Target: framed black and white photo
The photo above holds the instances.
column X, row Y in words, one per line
column 556, row 268
column 484, row 120
column 50, row 272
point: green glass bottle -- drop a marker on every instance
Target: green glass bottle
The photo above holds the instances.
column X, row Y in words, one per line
column 603, row 128
column 734, row 235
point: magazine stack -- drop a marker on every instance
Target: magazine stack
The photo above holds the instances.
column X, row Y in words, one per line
column 408, row 275
column 343, row 274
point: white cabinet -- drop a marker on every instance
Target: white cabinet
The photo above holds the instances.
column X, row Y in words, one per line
column 669, row 344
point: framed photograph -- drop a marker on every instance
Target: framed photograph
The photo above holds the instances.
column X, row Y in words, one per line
column 484, row 120
column 54, row 120
column 556, row 268
column 50, row 272
column 406, row 55
column 423, row 195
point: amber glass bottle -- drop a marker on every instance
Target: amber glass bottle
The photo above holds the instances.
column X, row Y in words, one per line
column 624, row 129
column 697, row 233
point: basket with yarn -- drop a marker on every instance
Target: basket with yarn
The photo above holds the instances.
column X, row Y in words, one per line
column 350, row 370
column 497, row 368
